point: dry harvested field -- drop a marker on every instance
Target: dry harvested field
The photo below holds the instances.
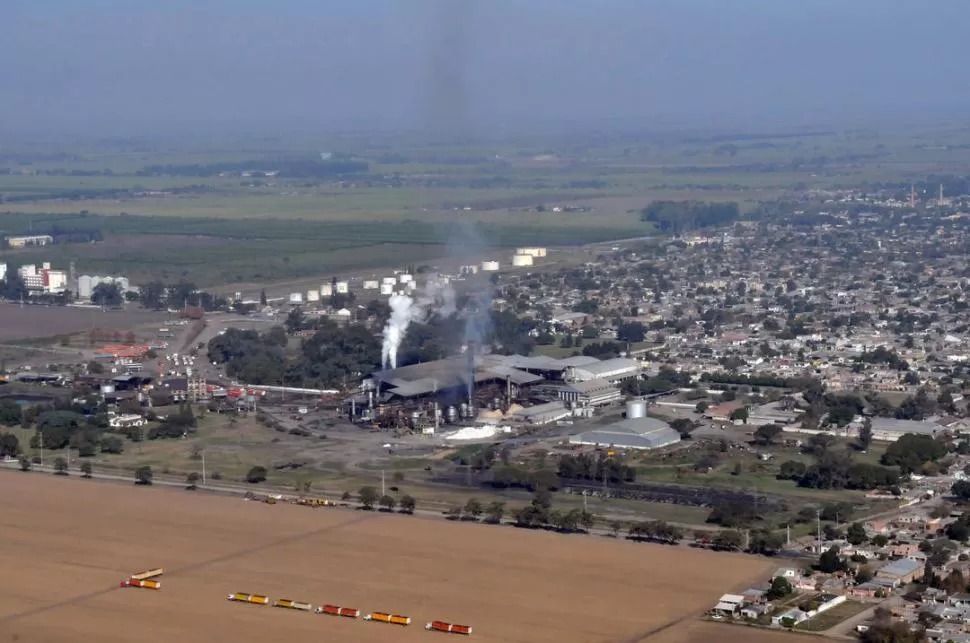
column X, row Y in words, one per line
column 66, row 543
column 31, row 322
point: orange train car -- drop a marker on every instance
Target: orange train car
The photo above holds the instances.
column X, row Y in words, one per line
column 384, row 617
column 255, row 599
column 144, row 584
column 441, row 626
column 333, row 610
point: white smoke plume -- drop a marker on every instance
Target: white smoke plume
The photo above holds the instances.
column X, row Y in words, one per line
column 437, row 296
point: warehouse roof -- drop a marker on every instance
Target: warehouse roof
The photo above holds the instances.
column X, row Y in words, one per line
column 610, row 366
column 422, row 379
column 900, row 567
column 905, row 426
column 633, row 433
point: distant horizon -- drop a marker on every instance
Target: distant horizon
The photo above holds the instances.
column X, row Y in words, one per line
column 123, row 68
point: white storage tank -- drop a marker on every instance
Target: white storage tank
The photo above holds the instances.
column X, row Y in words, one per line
column 532, row 252
column 522, row 260
column 389, row 280
column 387, row 289
column 636, row 409
column 296, row 298
column 313, row 295
column 371, row 284
column 84, row 287
column 489, row 266
column 405, row 278
column 326, row 290
column 343, row 287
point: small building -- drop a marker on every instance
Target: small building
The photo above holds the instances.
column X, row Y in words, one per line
column 729, row 604
column 900, row 572
column 754, row 612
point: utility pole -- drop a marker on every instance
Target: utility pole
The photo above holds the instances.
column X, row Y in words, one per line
column 788, row 535
column 818, row 519
column 382, row 483
column 40, row 434
column 203, row 467
column 584, row 502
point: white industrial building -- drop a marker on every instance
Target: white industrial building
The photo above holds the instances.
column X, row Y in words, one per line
column 532, row 252
column 3, row 271
column 326, row 290
column 596, row 392
column 87, row 283
column 611, row 370
column 542, row 413
column 490, row 266
column 632, row 433
column 45, row 279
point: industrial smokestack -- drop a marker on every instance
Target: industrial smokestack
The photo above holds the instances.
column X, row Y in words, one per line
column 471, row 374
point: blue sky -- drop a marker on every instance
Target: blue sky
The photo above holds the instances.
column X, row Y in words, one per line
column 144, row 66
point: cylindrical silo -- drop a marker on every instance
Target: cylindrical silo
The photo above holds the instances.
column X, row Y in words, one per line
column 343, row 287
column 313, row 295
column 489, row 266
column 387, row 289
column 326, row 290
column 371, row 284
column 636, row 409
column 404, row 278
column 522, row 260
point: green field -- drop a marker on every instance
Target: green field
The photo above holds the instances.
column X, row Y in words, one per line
column 416, row 196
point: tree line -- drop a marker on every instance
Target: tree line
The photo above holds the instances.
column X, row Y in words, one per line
column 683, row 216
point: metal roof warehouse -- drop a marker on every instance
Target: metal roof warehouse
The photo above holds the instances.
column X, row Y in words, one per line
column 634, row 433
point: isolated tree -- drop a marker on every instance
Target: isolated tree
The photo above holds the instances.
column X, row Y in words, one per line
column 780, row 588
column 387, row 503
column 86, row 469
column 192, row 481
column 473, row 508
column 262, row 298
column 856, row 534
column 112, row 444
column 60, row 467
column 256, row 475
column 346, row 496
column 587, row 520
column 9, row 446
column 767, row 433
column 494, row 512
column 407, row 504
column 865, row 434
column 615, row 527
column 830, row 561
column 24, row 464
column 739, row 415
column 368, row 497
column 143, row 475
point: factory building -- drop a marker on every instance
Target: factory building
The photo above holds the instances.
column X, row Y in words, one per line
column 612, row 370
column 31, row 240
column 596, row 392
column 87, row 283
column 631, row 433
column 44, row 280
column 542, row 413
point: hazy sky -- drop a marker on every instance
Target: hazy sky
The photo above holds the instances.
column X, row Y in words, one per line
column 156, row 66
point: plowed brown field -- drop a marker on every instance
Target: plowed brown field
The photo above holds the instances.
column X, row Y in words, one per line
column 66, row 543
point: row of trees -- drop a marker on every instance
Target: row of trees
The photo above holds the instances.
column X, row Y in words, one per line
column 683, row 216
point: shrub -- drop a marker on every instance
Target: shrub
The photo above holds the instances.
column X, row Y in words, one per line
column 256, row 475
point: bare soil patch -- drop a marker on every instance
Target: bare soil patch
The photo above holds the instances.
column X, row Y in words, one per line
column 35, row 321
column 66, row 543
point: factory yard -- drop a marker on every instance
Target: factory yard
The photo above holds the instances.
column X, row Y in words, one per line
column 66, row 543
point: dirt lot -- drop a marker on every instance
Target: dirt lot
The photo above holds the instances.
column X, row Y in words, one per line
column 33, row 322
column 66, row 543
